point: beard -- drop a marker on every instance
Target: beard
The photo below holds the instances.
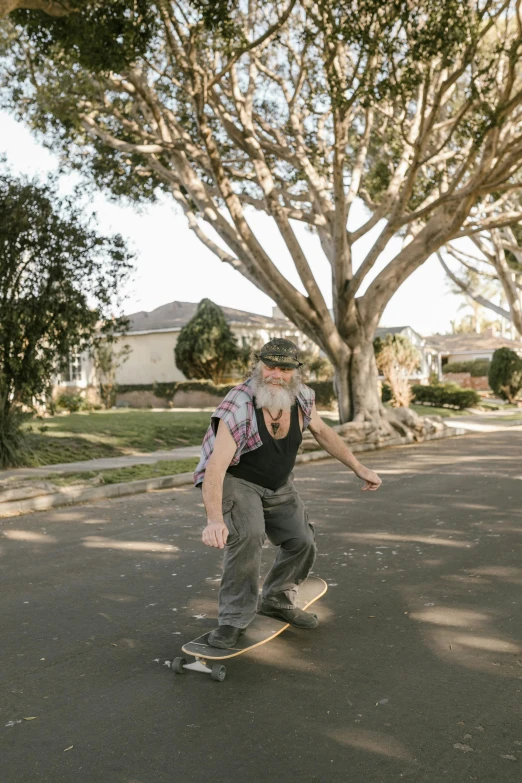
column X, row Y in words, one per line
column 274, row 394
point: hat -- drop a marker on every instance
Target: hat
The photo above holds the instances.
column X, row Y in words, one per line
column 279, row 353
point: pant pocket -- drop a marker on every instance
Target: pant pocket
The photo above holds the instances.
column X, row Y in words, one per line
column 312, row 528
column 231, row 519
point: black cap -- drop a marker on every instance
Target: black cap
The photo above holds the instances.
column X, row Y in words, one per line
column 279, row 353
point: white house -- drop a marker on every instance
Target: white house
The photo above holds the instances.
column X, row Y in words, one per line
column 467, row 347
column 152, row 338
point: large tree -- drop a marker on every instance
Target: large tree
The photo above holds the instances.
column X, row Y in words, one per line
column 295, row 108
column 59, row 292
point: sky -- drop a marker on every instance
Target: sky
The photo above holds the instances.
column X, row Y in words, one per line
column 173, row 265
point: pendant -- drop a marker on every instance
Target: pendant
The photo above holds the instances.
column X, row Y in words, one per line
column 275, row 426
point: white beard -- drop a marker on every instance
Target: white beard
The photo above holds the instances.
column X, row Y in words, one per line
column 274, row 396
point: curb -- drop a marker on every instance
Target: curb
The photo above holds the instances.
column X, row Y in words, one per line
column 72, row 495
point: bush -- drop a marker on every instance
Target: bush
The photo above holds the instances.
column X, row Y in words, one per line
column 397, row 359
column 505, row 374
column 446, row 394
column 478, row 368
column 166, row 391
column 73, row 403
column 324, row 393
column 324, row 390
column 386, row 393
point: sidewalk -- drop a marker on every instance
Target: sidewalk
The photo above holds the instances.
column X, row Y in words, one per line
column 106, row 463
column 495, row 421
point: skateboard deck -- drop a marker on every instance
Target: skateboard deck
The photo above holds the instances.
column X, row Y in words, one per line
column 261, row 630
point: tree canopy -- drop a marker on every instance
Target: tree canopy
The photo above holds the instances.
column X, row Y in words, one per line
column 297, row 109
column 206, row 347
column 59, row 289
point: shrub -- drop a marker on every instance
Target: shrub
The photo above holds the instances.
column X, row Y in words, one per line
column 74, row 402
column 446, row 394
column 386, row 393
column 478, row 368
column 324, row 393
column 166, row 391
column 397, row 358
column 505, row 374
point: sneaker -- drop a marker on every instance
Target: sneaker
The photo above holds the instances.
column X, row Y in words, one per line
column 225, row 636
column 296, row 617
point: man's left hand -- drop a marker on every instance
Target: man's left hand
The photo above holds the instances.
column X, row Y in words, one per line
column 371, row 479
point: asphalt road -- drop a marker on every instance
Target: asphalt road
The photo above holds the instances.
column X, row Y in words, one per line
column 415, row 672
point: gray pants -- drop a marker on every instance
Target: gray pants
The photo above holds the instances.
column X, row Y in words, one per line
column 253, row 513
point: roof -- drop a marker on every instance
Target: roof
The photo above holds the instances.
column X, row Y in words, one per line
column 176, row 315
column 460, row 343
column 382, row 331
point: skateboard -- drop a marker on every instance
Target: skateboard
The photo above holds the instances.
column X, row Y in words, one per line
column 261, row 630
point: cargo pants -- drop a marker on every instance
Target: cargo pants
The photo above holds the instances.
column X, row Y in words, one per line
column 252, row 514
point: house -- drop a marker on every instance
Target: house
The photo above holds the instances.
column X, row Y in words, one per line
column 152, row 338
column 467, row 347
column 429, row 357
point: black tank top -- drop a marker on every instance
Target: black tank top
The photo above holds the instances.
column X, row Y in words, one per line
column 270, row 465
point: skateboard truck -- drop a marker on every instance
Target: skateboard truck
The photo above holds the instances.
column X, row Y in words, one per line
column 218, row 672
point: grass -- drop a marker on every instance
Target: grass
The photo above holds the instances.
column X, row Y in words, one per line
column 82, row 436
column 431, row 410
column 120, row 475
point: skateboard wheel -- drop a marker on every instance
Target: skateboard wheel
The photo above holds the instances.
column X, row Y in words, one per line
column 178, row 664
column 219, row 672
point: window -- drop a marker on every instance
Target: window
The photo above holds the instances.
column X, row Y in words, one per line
column 74, row 369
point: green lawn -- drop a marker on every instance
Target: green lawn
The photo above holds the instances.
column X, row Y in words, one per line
column 119, row 475
column 82, row 436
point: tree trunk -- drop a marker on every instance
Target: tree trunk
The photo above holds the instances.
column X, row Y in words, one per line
column 356, row 384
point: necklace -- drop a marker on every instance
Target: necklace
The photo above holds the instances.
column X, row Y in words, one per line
column 275, row 426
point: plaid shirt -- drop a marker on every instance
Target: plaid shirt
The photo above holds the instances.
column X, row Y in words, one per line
column 238, row 413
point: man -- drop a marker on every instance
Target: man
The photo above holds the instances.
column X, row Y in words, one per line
column 246, row 467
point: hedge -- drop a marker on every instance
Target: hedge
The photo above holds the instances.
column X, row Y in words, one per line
column 446, row 394
column 386, row 393
column 478, row 368
column 166, row 391
column 324, row 392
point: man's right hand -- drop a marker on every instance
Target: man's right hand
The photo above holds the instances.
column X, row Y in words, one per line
column 215, row 534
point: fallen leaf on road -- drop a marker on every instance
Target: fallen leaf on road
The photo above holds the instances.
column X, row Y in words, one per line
column 32, row 718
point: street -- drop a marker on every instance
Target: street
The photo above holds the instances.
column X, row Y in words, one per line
column 414, row 673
